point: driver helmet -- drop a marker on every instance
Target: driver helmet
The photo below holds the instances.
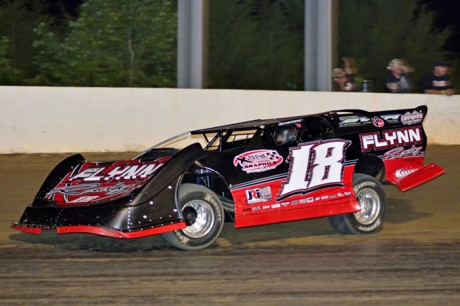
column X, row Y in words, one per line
column 285, row 134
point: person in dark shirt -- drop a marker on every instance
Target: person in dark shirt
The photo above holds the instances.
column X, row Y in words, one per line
column 398, row 80
column 437, row 82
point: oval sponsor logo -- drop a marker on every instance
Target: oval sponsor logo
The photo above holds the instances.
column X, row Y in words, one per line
column 258, row 160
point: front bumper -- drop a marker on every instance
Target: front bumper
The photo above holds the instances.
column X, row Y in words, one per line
column 107, row 219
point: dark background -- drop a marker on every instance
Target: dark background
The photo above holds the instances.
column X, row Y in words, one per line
column 257, row 44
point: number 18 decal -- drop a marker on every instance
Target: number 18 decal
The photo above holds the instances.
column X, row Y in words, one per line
column 314, row 165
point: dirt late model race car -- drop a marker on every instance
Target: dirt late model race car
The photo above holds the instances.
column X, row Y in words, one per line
column 258, row 172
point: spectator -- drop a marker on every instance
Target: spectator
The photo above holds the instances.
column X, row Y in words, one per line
column 437, row 82
column 398, row 80
column 344, row 78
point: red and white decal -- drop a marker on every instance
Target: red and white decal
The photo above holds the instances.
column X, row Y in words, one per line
column 314, row 165
column 403, row 173
column 93, row 182
column 391, row 138
column 258, row 160
column 258, row 195
column 378, row 122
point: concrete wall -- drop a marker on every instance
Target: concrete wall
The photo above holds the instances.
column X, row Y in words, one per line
column 59, row 119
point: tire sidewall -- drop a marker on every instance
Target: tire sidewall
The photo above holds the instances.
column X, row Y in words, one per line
column 361, row 182
column 190, row 192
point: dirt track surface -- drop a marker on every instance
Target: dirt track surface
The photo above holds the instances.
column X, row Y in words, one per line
column 414, row 260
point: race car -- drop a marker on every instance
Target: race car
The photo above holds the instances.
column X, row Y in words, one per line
column 253, row 173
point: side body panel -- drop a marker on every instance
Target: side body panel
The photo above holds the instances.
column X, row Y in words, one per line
column 278, row 184
column 74, row 204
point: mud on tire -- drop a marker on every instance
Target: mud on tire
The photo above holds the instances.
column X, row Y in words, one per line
column 204, row 215
column 373, row 201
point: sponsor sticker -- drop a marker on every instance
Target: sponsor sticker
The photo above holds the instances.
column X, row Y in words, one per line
column 401, row 152
column 378, row 122
column 411, row 118
column 290, row 122
column 391, row 118
column 258, row 160
column 259, row 195
column 403, row 173
column 347, row 121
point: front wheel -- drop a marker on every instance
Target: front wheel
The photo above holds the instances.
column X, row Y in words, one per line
column 373, row 201
column 204, row 216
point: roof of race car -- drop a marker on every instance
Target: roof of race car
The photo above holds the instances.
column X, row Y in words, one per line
column 253, row 124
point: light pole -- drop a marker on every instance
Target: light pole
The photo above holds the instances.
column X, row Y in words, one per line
column 192, row 43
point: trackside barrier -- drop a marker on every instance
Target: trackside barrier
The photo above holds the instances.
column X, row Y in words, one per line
column 68, row 119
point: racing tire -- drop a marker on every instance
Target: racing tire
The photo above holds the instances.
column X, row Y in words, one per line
column 372, row 198
column 204, row 216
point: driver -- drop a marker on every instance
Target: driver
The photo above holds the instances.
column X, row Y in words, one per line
column 285, row 134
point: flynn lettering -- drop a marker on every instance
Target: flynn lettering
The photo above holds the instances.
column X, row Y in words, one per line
column 391, row 138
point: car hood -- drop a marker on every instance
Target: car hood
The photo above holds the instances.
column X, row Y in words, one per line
column 95, row 182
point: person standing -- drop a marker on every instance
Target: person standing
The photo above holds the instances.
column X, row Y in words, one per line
column 398, row 80
column 438, row 82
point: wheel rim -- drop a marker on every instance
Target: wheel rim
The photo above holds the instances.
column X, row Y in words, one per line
column 370, row 206
column 203, row 219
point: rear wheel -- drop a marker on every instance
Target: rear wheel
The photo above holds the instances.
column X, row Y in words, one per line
column 204, row 216
column 373, row 201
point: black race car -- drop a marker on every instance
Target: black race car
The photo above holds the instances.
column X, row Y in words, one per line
column 258, row 172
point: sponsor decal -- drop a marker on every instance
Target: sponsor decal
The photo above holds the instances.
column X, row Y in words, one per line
column 102, row 181
column 401, row 152
column 391, row 138
column 290, row 122
column 391, row 118
column 378, row 122
column 402, row 173
column 258, row 160
column 115, row 172
column 314, row 165
column 259, row 195
column 411, row 118
column 81, row 189
column 354, row 120
column 305, row 201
